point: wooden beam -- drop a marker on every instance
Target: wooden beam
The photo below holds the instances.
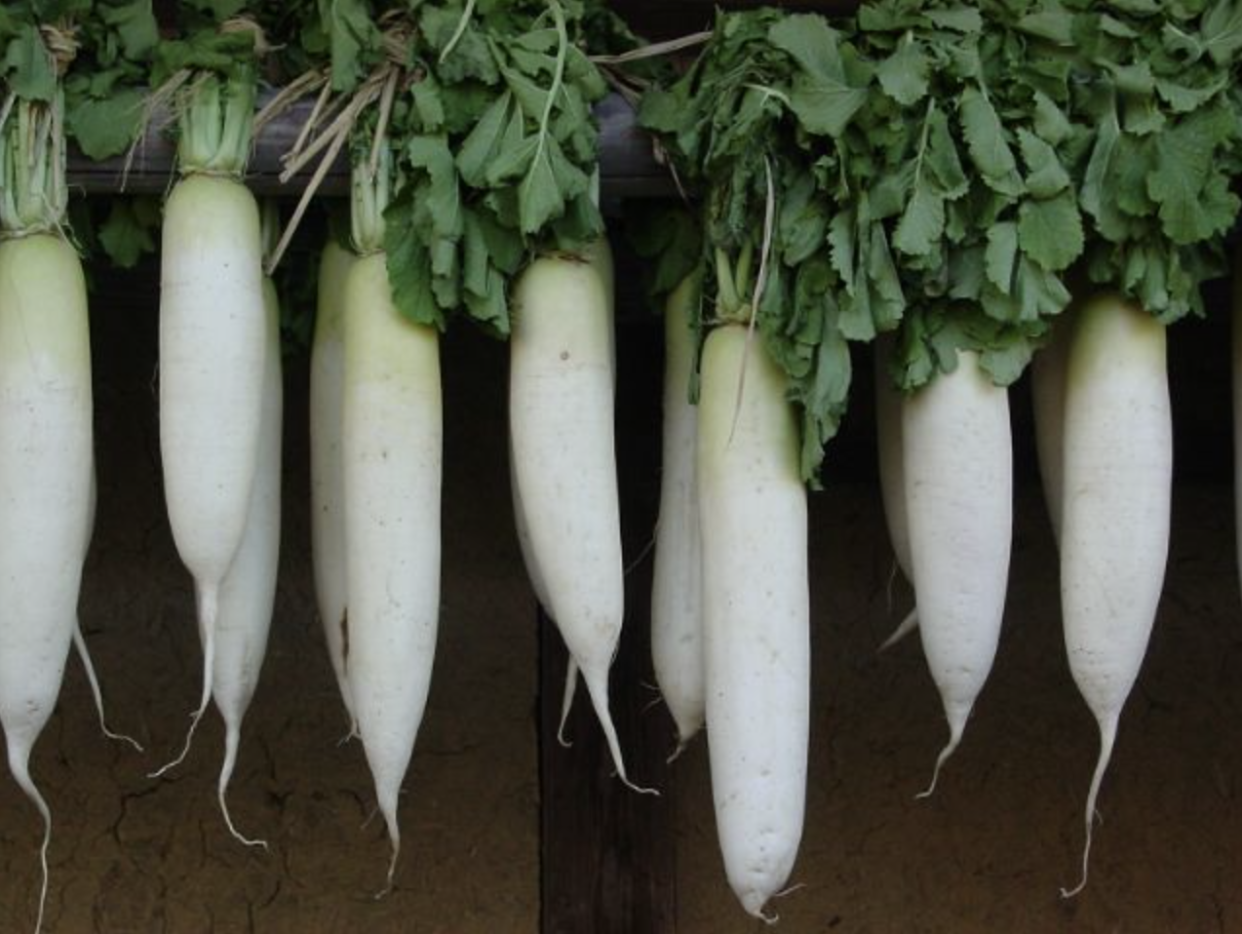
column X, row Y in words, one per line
column 627, row 166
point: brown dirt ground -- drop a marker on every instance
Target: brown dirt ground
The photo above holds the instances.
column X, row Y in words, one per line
column 986, row 854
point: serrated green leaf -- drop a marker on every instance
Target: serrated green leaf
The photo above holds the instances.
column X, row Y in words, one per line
column 129, row 231
column 985, row 141
column 351, row 36
column 1191, row 210
column 409, row 267
column 442, row 198
column 962, row 19
column 1052, row 25
column 942, row 159
column 135, row 26
column 105, row 128
column 1041, row 293
column 802, row 223
column 513, row 161
column 1050, row 232
column 1051, row 122
column 428, row 104
column 1098, row 196
column 1045, row 175
column 903, row 75
column 531, row 97
column 1222, row 31
column 822, row 97
column 1001, row 256
column 1135, row 78
column 921, row 223
column 1183, row 99
column 28, row 67
column 480, row 147
column 539, row 196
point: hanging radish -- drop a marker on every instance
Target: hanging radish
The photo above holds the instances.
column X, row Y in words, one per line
column 46, row 436
column 248, row 592
column 327, row 484
column 958, row 470
column 756, row 613
column 889, row 449
column 212, row 339
column 676, row 589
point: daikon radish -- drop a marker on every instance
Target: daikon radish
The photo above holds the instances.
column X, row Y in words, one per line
column 676, row 590
column 45, row 489
column 248, row 592
column 327, row 484
column 958, row 466
column 892, row 480
column 564, row 464
column 392, row 448
column 212, row 358
column 1118, row 472
column 756, row 613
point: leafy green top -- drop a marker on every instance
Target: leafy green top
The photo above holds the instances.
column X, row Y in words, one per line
column 975, row 140
column 1159, row 84
column 483, row 112
column 759, row 128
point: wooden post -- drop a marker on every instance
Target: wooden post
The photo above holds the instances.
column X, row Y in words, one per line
column 607, row 852
column 607, row 860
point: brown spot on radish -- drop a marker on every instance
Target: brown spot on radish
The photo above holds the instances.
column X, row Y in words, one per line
column 345, row 634
column 564, row 354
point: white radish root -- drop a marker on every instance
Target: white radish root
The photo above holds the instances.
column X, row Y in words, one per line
column 756, row 614
column 1118, row 471
column 248, row 593
column 958, row 460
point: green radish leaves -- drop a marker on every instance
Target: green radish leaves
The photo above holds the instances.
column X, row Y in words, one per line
column 130, row 230
column 761, row 127
column 495, row 150
column 1157, row 181
column 942, row 166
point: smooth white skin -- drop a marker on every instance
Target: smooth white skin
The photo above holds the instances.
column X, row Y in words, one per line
column 1118, row 475
column 892, row 476
column 327, row 368
column 45, row 489
column 756, row 614
column 561, row 401
column 392, row 449
column 212, row 326
column 958, row 465
column 248, row 592
column 1048, row 369
column 676, row 591
column 597, row 254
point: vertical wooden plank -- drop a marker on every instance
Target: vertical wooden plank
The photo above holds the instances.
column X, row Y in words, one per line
column 607, row 860
column 608, row 854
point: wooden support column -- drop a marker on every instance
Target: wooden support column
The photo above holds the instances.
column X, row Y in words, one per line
column 608, row 853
